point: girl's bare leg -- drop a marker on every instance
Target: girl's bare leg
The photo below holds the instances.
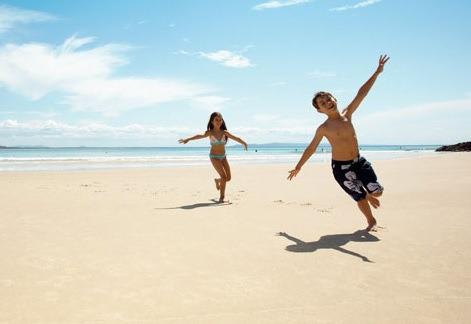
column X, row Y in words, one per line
column 218, row 165
column 227, row 169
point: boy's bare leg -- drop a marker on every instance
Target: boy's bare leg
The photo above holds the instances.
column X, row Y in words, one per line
column 364, row 206
column 373, row 198
column 374, row 202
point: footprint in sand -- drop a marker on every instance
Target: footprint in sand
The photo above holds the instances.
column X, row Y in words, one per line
column 280, row 201
column 378, row 228
column 238, row 196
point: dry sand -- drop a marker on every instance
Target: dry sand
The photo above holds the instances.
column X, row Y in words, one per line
column 149, row 246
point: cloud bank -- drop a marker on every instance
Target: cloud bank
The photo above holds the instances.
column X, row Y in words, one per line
column 85, row 76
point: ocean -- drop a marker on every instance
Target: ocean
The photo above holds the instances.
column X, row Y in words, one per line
column 84, row 158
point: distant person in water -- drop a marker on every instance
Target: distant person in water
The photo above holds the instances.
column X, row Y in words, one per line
column 218, row 136
column 352, row 171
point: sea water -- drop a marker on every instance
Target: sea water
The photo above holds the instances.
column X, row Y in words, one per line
column 81, row 158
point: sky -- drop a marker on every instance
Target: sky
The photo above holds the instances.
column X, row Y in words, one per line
column 148, row 72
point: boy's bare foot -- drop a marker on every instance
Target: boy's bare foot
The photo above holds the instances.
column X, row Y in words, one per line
column 372, row 226
column 374, row 202
column 221, row 199
column 218, row 181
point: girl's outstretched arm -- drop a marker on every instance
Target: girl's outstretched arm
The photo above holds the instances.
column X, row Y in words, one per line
column 237, row 139
column 196, row 137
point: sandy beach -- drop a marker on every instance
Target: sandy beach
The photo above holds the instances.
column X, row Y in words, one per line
column 151, row 246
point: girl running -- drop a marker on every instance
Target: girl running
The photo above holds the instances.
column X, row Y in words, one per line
column 218, row 136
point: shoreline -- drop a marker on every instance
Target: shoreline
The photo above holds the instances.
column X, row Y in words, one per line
column 126, row 163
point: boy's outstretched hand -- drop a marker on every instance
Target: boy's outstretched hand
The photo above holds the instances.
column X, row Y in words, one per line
column 293, row 173
column 382, row 60
column 182, row 141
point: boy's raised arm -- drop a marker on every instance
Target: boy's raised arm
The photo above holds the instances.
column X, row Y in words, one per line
column 365, row 88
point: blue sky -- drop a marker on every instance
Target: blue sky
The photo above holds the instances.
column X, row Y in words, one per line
column 146, row 73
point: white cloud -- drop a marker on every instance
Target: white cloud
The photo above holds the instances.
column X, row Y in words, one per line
column 56, row 133
column 35, row 69
column 112, row 96
column 356, row 6
column 269, row 128
column 417, row 124
column 183, row 52
column 56, row 129
column 428, row 123
column 39, row 114
column 223, row 57
column 84, row 76
column 274, row 134
column 11, row 16
column 450, row 107
column 273, row 4
column 228, row 58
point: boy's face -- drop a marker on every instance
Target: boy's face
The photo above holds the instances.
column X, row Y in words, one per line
column 327, row 104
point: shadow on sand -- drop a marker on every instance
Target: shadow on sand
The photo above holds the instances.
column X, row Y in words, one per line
column 212, row 203
column 334, row 242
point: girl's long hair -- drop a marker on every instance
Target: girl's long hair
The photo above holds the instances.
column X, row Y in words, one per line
column 210, row 122
column 211, row 118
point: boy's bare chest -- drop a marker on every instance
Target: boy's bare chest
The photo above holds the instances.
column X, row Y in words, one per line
column 339, row 129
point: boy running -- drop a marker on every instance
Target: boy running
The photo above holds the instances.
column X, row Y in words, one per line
column 353, row 172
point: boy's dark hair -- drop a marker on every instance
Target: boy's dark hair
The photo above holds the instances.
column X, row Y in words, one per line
column 320, row 94
column 210, row 122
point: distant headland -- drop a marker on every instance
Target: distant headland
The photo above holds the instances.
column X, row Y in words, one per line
column 460, row 147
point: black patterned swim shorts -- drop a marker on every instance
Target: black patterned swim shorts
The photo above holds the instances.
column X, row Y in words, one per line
column 355, row 176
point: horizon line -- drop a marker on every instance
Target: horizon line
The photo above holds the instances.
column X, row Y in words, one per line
column 235, row 145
